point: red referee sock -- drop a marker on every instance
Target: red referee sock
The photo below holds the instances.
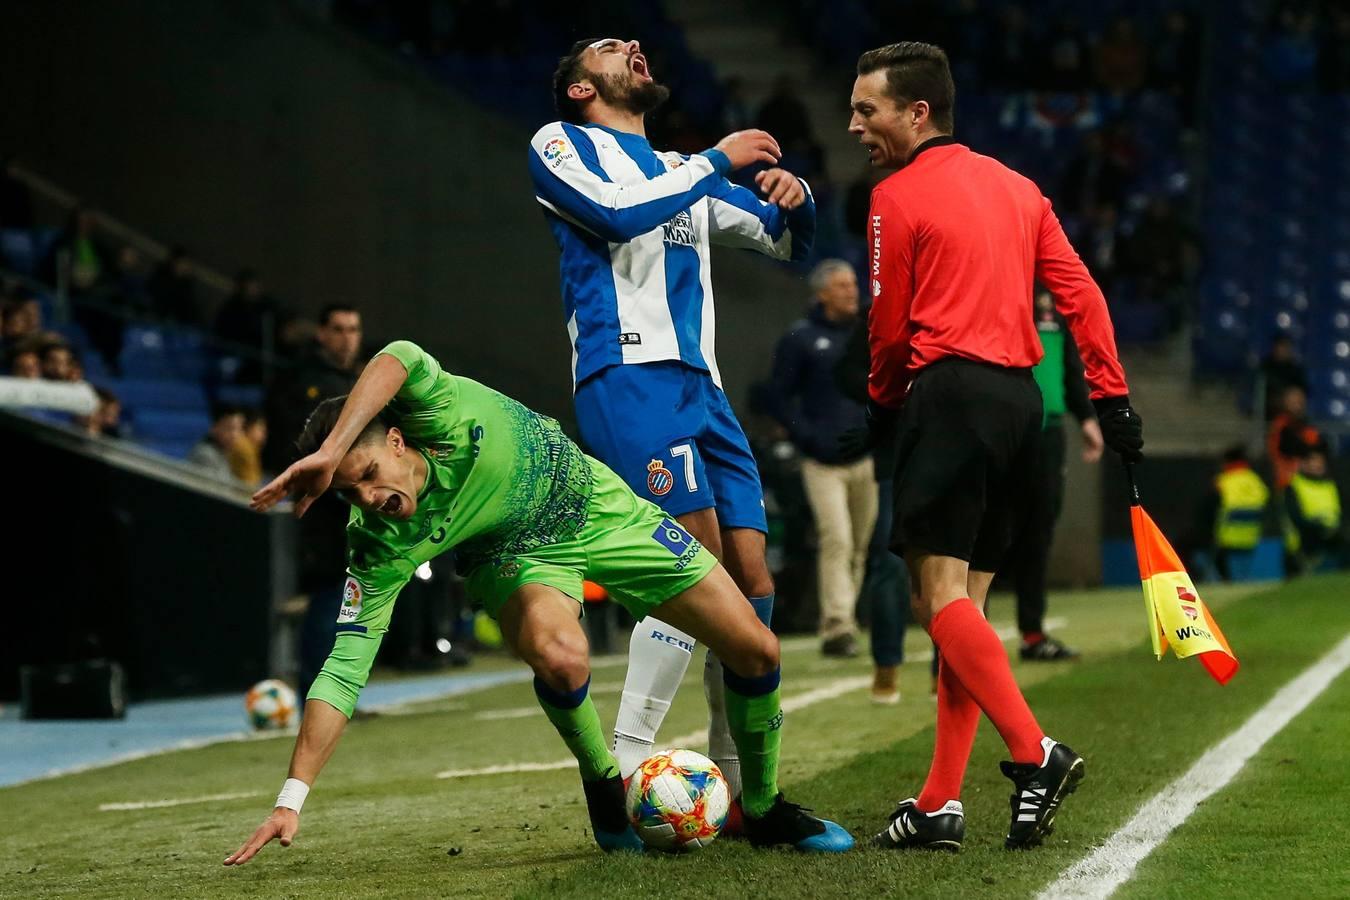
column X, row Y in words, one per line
column 957, row 717
column 975, row 655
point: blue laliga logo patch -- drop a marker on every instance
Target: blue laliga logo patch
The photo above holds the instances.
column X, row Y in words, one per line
column 671, row 536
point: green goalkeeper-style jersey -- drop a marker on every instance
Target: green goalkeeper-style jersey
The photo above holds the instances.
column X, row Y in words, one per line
column 501, row 480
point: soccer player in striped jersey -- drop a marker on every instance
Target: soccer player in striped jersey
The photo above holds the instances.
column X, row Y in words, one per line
column 634, row 226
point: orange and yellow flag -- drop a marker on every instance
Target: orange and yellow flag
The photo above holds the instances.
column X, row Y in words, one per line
column 1176, row 614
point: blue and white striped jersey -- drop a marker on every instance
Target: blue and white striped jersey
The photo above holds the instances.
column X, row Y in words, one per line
column 634, row 227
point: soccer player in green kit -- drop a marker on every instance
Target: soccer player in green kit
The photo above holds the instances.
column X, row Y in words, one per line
column 433, row 462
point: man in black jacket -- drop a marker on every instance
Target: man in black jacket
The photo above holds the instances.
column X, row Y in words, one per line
column 329, row 369
column 840, row 486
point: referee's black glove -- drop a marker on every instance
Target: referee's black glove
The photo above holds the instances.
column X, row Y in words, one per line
column 1122, row 429
column 880, row 423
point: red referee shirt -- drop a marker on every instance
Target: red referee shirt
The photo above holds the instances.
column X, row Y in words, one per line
column 957, row 240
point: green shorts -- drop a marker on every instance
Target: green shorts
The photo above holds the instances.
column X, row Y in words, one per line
column 630, row 547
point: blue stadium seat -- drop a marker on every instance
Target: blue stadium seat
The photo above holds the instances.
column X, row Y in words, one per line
column 161, row 394
column 247, row 396
column 170, row 424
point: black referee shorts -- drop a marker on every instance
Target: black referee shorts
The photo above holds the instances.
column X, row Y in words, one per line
column 966, row 450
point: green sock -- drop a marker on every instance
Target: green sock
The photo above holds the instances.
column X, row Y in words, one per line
column 578, row 724
column 755, row 718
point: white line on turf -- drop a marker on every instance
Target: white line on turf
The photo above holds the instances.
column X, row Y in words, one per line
column 828, row 691
column 182, row 801
column 519, row 712
column 1099, row 873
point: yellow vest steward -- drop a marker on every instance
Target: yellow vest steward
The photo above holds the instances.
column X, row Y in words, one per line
column 1242, row 503
column 1319, row 502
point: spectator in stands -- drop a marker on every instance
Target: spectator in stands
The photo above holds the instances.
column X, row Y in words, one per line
column 1066, row 57
column 56, row 359
column 1122, row 58
column 78, row 259
column 1291, row 48
column 20, row 320
column 1100, row 242
column 785, row 116
column 1291, row 436
column 24, row 361
column 211, row 453
column 1333, row 60
column 106, row 420
column 1236, row 510
column 735, row 113
column 16, row 203
column 329, row 368
column 840, row 488
column 248, row 321
column 104, row 317
column 1092, row 178
column 173, row 290
column 1175, row 66
column 1281, row 370
column 1163, row 253
column 1012, row 52
column 245, row 456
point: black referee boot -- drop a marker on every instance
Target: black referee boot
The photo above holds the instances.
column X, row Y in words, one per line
column 944, row 829
column 1038, row 791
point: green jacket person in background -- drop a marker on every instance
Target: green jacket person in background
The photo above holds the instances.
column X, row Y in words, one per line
column 1063, row 392
column 432, row 462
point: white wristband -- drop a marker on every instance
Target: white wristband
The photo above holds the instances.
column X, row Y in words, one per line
column 293, row 794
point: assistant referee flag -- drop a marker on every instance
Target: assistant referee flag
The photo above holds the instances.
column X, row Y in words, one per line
column 1176, row 614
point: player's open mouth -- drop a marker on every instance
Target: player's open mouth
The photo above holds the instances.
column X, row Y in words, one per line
column 392, row 506
column 639, row 66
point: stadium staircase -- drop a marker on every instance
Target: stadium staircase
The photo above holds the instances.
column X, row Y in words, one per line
column 751, row 46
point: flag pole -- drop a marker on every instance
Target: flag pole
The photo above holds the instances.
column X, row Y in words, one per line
column 1134, row 488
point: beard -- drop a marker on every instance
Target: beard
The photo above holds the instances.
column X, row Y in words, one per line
column 623, row 93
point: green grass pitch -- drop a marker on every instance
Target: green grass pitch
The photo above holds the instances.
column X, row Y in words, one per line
column 380, row 823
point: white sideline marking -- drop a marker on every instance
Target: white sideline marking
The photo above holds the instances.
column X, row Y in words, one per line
column 182, row 801
column 1098, row 874
column 519, row 712
column 828, row 691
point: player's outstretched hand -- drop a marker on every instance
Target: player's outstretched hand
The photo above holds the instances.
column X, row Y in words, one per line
column 747, row 147
column 781, row 187
column 306, row 479
column 281, row 825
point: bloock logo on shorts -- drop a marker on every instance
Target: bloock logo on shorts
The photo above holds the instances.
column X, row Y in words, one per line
column 659, row 479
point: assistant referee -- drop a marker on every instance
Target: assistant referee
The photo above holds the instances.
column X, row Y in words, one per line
column 956, row 241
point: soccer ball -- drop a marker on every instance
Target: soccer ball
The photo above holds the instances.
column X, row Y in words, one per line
column 678, row 800
column 270, row 705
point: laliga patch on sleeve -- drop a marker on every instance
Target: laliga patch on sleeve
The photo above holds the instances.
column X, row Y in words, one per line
column 351, row 601
column 556, row 152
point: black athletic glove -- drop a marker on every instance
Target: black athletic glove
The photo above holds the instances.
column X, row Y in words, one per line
column 880, row 423
column 1122, row 429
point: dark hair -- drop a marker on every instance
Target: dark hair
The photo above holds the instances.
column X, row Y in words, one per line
column 569, row 72
column 50, row 344
column 221, row 410
column 327, row 312
column 321, row 422
column 1236, row 453
column 916, row 71
column 253, row 414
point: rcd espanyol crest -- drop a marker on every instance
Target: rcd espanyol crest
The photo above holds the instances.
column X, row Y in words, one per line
column 659, row 479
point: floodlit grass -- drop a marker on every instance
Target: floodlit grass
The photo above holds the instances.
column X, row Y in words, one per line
column 380, row 823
